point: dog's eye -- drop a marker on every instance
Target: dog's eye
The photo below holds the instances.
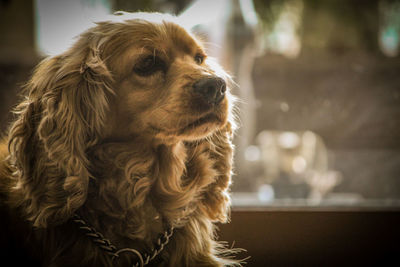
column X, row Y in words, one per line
column 149, row 65
column 199, row 58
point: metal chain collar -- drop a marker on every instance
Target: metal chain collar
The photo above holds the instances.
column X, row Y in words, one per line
column 110, row 249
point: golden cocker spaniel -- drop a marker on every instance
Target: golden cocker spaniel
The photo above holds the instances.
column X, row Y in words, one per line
column 121, row 153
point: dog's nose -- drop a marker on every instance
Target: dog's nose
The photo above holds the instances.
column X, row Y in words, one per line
column 212, row 89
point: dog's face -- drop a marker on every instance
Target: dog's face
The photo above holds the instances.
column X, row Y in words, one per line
column 165, row 85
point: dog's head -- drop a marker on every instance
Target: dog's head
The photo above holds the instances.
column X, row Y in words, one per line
column 166, row 87
column 138, row 76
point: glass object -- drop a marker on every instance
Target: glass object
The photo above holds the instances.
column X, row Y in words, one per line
column 58, row 22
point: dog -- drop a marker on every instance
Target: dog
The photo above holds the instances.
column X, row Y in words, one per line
column 121, row 151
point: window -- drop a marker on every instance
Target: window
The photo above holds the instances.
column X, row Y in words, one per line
column 320, row 90
column 58, row 22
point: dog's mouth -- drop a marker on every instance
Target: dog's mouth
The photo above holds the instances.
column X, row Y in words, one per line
column 190, row 125
column 202, row 121
column 197, row 127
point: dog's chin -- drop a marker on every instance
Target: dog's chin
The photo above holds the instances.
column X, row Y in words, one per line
column 192, row 128
column 206, row 124
column 201, row 127
column 195, row 129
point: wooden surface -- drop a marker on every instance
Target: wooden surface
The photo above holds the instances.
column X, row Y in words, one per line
column 316, row 238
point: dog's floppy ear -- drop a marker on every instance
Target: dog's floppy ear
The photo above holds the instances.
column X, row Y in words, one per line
column 63, row 114
column 216, row 200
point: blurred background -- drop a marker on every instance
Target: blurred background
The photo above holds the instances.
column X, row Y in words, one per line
column 319, row 83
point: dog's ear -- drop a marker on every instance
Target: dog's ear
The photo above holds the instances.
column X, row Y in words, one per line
column 216, row 200
column 62, row 116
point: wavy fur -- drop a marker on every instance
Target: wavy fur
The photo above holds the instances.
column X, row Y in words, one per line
column 124, row 150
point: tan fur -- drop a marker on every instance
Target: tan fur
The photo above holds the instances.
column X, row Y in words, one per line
column 92, row 137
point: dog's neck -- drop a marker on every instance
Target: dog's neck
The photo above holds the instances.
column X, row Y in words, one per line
column 118, row 195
